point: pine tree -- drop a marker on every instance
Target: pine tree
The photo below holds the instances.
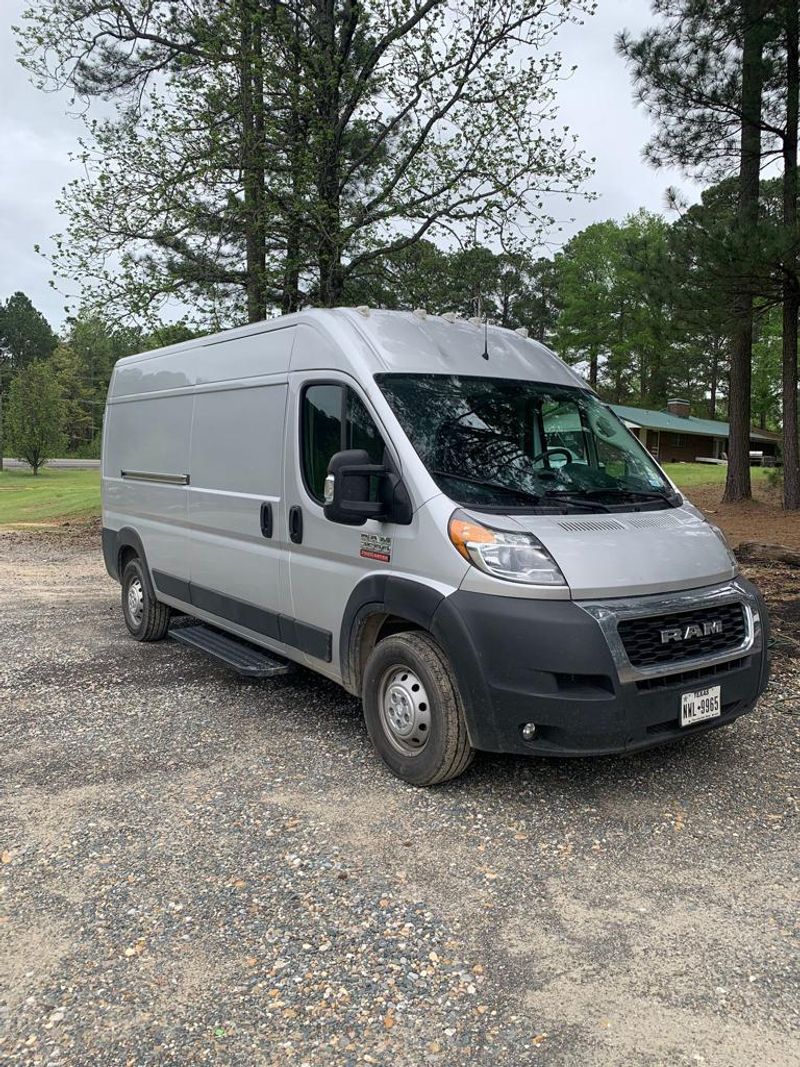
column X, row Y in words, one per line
column 701, row 74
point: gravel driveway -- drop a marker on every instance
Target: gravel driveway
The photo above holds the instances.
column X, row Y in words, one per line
column 201, row 869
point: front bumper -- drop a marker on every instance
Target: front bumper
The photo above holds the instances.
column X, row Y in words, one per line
column 562, row 666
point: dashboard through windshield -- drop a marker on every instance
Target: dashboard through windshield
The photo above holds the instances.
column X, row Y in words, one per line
column 507, row 444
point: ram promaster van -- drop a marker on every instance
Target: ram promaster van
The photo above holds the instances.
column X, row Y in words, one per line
column 439, row 516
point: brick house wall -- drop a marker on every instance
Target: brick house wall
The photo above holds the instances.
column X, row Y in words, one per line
column 678, row 448
column 685, row 448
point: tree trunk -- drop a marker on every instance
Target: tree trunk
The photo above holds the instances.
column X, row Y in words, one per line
column 757, row 552
column 291, row 298
column 737, row 485
column 331, row 276
column 253, row 162
column 593, row 368
column 791, row 289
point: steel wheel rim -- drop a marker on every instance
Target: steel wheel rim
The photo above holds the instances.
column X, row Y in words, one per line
column 405, row 710
column 136, row 601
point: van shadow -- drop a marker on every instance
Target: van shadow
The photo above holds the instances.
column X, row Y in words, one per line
column 334, row 719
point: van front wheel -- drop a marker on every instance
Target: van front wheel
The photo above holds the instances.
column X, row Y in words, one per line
column 145, row 617
column 413, row 710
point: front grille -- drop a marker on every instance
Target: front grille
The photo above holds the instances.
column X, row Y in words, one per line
column 698, row 675
column 644, row 646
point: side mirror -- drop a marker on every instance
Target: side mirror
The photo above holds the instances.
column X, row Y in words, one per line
column 347, row 495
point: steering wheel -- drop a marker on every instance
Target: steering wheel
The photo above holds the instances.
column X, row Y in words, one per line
column 553, row 451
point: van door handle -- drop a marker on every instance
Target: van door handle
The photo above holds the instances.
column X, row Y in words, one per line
column 295, row 525
column 266, row 519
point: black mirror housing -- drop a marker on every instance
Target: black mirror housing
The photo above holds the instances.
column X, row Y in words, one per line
column 347, row 491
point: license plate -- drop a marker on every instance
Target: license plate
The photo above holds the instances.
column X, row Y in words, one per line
column 701, row 704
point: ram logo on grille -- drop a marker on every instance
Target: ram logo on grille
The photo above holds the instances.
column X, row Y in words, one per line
column 688, row 633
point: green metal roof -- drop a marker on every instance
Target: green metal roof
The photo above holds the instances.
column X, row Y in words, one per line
column 663, row 420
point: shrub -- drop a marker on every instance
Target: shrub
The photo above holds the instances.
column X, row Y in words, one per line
column 35, row 415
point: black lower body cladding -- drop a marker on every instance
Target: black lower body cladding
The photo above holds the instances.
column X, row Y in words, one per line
column 549, row 663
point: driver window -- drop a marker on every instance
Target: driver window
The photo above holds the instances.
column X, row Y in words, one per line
column 333, row 418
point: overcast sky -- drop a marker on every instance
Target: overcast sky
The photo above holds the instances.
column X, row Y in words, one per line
column 37, row 135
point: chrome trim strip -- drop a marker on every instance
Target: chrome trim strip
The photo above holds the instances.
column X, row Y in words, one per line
column 161, row 479
column 608, row 613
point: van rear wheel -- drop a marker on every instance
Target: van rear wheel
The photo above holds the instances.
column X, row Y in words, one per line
column 413, row 710
column 145, row 617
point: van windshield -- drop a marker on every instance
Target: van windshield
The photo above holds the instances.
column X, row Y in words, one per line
column 501, row 443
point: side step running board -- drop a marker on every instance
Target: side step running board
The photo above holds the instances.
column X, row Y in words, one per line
column 244, row 658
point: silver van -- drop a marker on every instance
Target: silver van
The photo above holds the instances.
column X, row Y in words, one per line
column 440, row 517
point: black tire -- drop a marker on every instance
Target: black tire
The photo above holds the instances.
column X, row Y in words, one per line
column 443, row 750
column 151, row 621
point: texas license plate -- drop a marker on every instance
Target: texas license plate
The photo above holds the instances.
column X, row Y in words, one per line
column 701, row 704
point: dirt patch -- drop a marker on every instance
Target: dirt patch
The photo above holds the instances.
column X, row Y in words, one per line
column 780, row 586
column 759, row 519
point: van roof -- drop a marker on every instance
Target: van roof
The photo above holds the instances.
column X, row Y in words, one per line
column 406, row 342
column 413, row 343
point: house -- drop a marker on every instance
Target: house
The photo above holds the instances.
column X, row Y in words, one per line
column 675, row 436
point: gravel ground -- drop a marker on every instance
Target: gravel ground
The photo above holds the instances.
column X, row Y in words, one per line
column 200, row 869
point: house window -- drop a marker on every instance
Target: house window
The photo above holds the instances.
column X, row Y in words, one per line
column 679, row 440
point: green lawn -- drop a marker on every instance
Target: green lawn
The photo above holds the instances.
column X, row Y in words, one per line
column 52, row 495
column 686, row 475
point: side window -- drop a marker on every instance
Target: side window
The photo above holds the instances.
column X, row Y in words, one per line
column 322, row 433
column 361, row 431
column 333, row 419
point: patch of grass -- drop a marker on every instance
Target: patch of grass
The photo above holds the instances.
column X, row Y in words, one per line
column 686, row 475
column 52, row 495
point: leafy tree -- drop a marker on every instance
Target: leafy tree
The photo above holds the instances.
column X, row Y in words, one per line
column 506, row 288
column 34, row 415
column 585, row 280
column 168, row 333
column 615, row 315
column 767, row 372
column 25, row 335
column 536, row 308
column 77, row 398
column 265, row 154
column 96, row 344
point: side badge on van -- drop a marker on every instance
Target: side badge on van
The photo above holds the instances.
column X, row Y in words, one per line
column 376, row 546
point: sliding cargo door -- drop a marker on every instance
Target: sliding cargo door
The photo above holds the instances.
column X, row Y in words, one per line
column 237, row 516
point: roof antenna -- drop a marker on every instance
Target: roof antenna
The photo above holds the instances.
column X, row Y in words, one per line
column 485, row 352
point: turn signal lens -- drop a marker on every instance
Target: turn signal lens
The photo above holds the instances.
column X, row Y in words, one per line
column 464, row 532
column 513, row 556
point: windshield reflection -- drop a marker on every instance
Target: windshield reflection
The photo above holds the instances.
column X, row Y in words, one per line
column 502, row 443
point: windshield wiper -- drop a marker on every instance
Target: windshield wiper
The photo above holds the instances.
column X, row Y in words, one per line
column 583, row 501
column 533, row 498
column 643, row 494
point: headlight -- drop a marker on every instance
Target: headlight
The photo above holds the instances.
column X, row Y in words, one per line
column 728, row 549
column 516, row 557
